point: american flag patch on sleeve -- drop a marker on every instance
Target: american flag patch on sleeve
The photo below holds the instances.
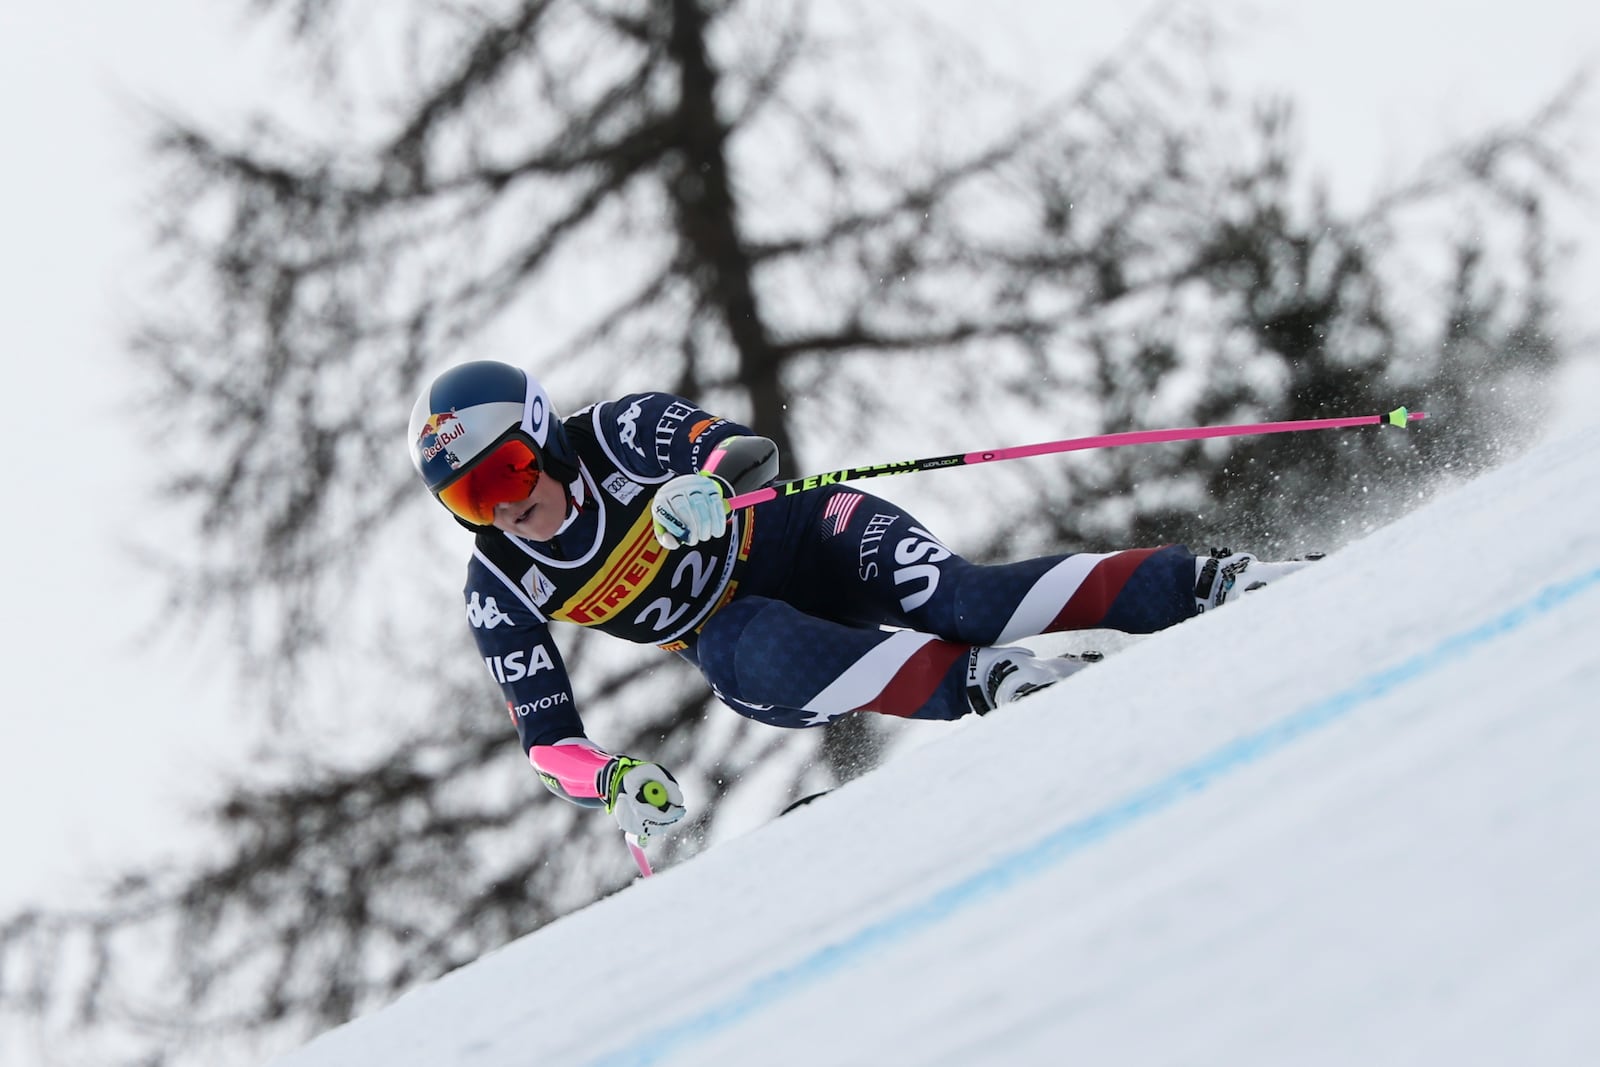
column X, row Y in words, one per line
column 836, row 516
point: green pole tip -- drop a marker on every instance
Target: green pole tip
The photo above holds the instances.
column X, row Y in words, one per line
column 1398, row 417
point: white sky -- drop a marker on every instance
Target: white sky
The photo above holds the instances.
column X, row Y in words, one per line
column 101, row 739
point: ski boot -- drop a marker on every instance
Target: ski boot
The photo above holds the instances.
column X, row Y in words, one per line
column 1226, row 573
column 999, row 675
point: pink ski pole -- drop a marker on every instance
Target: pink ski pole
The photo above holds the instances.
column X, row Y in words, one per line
column 1398, row 417
column 636, row 847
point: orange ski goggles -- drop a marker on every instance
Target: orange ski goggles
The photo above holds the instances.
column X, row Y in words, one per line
column 507, row 472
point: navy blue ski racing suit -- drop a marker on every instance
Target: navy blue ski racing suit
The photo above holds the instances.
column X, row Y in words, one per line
column 811, row 606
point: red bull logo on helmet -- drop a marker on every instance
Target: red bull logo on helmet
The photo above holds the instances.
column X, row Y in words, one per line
column 444, row 428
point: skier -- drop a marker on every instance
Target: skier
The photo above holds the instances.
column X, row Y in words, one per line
column 797, row 611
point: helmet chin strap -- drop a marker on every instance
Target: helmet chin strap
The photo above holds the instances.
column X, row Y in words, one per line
column 574, row 486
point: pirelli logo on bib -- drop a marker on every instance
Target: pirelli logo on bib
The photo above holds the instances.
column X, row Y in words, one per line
column 632, row 566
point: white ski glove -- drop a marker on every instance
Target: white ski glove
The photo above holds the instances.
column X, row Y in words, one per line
column 643, row 797
column 689, row 509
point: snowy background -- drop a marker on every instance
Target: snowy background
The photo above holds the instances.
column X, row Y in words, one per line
column 1352, row 820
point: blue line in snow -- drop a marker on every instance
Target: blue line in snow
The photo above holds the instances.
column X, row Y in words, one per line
column 1074, row 837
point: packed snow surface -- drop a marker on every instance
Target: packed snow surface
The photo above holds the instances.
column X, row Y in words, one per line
column 1353, row 819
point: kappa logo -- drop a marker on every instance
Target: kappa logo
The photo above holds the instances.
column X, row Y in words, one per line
column 628, row 427
column 623, row 488
column 485, row 615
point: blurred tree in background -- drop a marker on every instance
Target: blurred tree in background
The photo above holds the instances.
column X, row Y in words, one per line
column 825, row 223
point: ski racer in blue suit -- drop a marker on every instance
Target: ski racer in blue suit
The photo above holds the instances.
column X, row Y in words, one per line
column 797, row 611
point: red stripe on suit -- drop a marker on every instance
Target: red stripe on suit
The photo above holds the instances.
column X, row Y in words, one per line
column 1092, row 600
column 913, row 684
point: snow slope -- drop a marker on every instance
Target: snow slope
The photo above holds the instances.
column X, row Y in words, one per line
column 1352, row 820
